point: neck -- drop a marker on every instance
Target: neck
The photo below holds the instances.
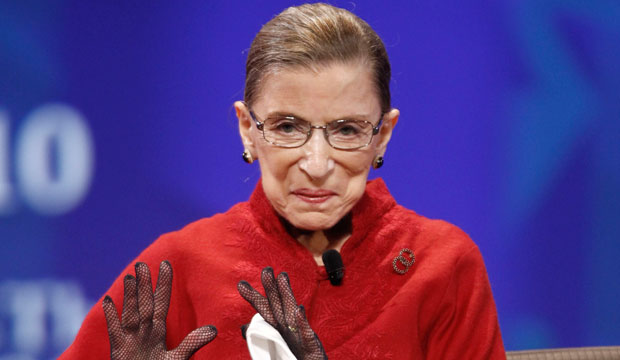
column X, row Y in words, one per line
column 319, row 241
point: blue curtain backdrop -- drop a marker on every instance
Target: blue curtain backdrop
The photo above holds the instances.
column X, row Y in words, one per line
column 116, row 125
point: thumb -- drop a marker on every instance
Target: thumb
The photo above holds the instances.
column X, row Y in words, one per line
column 194, row 341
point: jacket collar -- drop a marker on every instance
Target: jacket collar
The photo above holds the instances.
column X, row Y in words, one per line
column 375, row 202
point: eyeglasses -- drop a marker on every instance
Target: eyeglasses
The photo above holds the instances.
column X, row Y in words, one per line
column 290, row 132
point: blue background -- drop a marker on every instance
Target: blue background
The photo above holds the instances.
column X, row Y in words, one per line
column 510, row 129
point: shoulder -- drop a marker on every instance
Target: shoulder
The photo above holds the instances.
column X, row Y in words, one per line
column 440, row 248
column 218, row 223
column 446, row 259
column 393, row 228
column 423, row 232
column 204, row 238
column 409, row 227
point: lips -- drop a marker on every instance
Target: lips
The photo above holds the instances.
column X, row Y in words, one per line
column 314, row 196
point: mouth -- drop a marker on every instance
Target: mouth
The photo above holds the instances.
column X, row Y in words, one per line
column 314, row 196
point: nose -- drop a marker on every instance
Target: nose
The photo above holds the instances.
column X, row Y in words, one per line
column 316, row 160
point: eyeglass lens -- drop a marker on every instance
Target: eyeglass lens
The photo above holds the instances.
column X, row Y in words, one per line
column 291, row 132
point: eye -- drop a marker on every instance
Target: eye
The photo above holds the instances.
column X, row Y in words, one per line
column 344, row 128
column 286, row 125
column 348, row 130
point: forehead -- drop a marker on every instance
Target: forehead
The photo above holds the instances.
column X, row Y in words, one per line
column 326, row 92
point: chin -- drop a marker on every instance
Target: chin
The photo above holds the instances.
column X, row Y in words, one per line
column 313, row 222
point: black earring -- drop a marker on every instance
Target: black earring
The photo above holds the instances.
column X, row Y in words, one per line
column 377, row 162
column 247, row 157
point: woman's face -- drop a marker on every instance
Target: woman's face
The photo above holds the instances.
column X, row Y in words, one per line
column 315, row 185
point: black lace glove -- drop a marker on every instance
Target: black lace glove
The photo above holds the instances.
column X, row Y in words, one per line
column 280, row 310
column 142, row 332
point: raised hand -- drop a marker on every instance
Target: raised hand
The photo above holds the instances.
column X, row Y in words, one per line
column 281, row 311
column 141, row 334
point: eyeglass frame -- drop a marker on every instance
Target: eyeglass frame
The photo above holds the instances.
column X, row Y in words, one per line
column 260, row 126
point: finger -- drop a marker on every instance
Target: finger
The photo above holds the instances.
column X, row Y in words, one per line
column 258, row 301
column 162, row 294
column 273, row 295
column 130, row 304
column 310, row 342
column 289, row 304
column 115, row 332
column 145, row 292
column 194, row 341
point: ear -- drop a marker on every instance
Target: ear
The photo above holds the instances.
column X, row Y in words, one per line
column 246, row 124
column 385, row 133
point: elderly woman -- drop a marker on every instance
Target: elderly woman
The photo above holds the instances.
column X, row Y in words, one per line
column 316, row 116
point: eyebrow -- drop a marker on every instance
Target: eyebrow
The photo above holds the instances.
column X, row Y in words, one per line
column 283, row 114
column 289, row 114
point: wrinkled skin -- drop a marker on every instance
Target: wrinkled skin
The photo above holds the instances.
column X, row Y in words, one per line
column 281, row 311
column 141, row 334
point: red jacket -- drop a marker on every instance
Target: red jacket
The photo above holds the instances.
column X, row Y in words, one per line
column 441, row 308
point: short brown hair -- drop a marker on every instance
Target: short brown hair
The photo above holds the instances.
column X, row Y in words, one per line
column 312, row 35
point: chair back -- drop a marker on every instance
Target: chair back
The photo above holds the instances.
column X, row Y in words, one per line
column 583, row 353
